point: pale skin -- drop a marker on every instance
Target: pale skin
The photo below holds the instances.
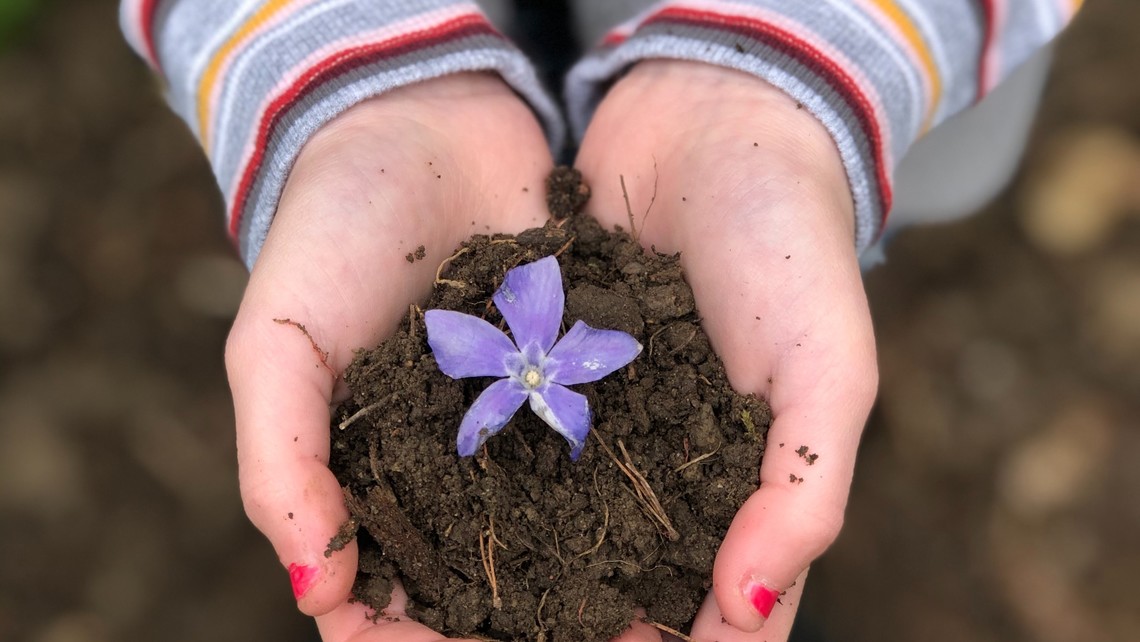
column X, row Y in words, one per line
column 750, row 190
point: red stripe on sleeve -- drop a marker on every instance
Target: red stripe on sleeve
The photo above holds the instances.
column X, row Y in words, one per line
column 989, row 37
column 146, row 28
column 807, row 55
column 337, row 65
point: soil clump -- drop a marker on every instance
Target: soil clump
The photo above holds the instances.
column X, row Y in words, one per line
column 519, row 542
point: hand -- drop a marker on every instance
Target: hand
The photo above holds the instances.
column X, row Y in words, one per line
column 407, row 169
column 429, row 165
column 751, row 191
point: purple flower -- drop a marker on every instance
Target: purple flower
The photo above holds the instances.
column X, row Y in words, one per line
column 533, row 367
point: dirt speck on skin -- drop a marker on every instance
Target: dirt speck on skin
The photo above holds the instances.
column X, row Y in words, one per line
column 520, row 543
column 802, row 451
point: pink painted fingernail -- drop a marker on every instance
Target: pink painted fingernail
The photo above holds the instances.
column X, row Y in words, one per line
column 302, row 577
column 763, row 599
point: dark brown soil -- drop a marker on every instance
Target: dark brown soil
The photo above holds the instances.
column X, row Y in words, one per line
column 519, row 542
column 566, row 192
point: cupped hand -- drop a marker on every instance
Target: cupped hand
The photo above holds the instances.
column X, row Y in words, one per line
column 426, row 165
column 750, row 189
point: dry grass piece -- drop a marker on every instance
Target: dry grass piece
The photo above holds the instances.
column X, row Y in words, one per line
column 364, row 412
column 696, row 460
column 487, row 554
column 643, row 491
column 439, row 280
column 669, row 630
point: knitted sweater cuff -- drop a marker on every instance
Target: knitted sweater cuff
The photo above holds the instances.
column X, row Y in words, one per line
column 875, row 75
column 254, row 80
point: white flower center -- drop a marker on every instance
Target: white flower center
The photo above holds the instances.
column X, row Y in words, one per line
column 532, row 377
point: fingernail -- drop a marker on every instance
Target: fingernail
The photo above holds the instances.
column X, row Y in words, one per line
column 302, row 577
column 763, row 599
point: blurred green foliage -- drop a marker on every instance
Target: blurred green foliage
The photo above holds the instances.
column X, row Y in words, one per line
column 14, row 15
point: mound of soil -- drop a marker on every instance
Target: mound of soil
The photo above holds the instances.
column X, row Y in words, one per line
column 519, row 542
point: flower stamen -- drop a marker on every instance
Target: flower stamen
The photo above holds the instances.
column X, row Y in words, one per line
column 532, row 377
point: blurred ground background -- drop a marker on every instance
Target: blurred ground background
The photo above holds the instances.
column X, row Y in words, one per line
column 996, row 497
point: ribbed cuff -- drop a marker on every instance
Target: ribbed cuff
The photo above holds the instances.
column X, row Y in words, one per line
column 256, row 80
column 768, row 42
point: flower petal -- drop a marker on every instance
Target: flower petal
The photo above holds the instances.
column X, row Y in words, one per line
column 586, row 354
column 531, row 301
column 491, row 411
column 566, row 411
column 467, row 346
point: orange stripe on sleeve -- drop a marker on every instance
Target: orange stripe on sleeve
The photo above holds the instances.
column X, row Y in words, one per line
column 926, row 59
column 210, row 76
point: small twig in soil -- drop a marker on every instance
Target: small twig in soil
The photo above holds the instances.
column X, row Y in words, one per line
column 374, row 456
column 364, row 412
column 565, row 246
column 669, row 630
column 538, row 613
column 439, row 280
column 605, row 521
column 633, row 230
column 557, row 548
column 413, row 312
column 654, row 336
column 487, row 555
column 652, row 199
column 628, row 209
column 494, row 537
column 650, row 554
column 581, row 609
column 696, row 460
column 683, row 343
column 644, row 491
column 323, row 354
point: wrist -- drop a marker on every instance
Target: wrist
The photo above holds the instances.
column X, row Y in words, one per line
column 688, row 118
column 436, row 141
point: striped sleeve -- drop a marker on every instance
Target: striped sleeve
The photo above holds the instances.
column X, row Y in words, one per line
column 255, row 79
column 877, row 73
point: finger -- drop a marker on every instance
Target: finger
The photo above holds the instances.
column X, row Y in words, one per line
column 811, row 352
column 819, row 406
column 710, row 623
column 339, row 292
column 357, row 623
column 281, row 393
column 283, row 360
column 820, row 396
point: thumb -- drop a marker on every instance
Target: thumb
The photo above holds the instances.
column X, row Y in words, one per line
column 820, row 402
column 282, row 389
